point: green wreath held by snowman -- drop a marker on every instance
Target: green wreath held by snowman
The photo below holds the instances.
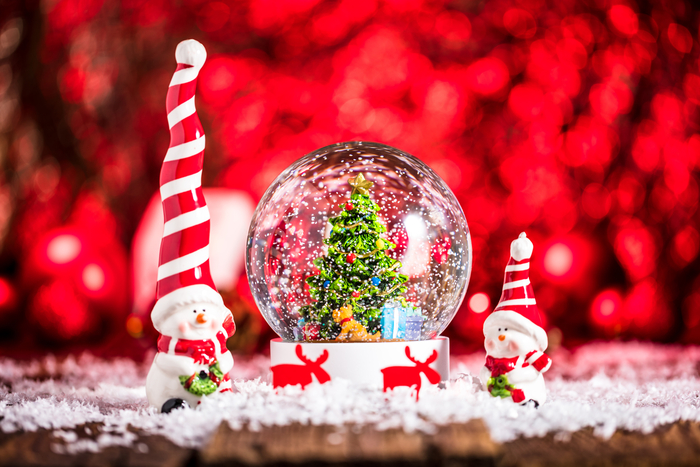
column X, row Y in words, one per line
column 499, row 387
column 203, row 383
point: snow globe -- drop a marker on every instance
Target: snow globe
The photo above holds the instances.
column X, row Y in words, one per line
column 358, row 256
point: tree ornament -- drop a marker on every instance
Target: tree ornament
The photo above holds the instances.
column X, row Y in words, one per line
column 351, row 257
column 326, row 284
column 514, row 338
column 192, row 359
column 376, row 281
column 381, row 244
column 355, row 294
column 349, row 207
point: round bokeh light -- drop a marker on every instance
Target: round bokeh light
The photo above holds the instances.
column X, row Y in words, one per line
column 358, row 241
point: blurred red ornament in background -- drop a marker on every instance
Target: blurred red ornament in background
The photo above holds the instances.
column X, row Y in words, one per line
column 62, row 249
column 479, row 302
column 685, row 246
column 570, row 262
column 8, row 304
column 606, row 313
column 519, row 23
column 636, row 249
column 60, row 314
column 488, row 76
column 624, row 19
column 526, row 101
column 680, row 38
column 558, row 260
column 77, row 283
column 647, row 310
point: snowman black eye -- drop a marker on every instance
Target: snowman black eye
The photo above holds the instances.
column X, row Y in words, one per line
column 203, row 310
column 194, row 311
column 505, row 329
column 499, row 329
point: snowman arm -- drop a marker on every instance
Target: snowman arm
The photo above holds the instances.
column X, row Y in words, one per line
column 539, row 360
column 225, row 362
column 175, row 364
column 484, row 376
column 522, row 374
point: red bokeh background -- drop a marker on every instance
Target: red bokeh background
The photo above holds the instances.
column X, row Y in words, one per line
column 578, row 121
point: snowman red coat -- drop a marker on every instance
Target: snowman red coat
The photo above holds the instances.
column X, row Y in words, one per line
column 524, row 373
column 202, row 351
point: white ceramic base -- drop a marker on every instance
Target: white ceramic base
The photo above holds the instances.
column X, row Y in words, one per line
column 361, row 362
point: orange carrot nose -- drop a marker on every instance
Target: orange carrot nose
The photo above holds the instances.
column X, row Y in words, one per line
column 202, row 318
column 500, row 338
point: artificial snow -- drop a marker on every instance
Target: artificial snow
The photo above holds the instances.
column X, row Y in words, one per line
column 606, row 386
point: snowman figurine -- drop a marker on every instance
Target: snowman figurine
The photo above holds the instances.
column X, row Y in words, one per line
column 514, row 338
column 192, row 359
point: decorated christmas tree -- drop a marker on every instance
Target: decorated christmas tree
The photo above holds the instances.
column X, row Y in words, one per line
column 357, row 277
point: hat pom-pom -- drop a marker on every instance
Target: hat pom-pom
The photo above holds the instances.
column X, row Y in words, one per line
column 191, row 52
column 521, row 248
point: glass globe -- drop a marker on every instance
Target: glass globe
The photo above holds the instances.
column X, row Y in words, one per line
column 362, row 235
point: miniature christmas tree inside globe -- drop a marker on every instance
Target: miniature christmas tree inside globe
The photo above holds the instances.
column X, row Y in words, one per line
column 358, row 242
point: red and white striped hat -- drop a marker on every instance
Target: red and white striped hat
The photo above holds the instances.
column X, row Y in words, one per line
column 517, row 306
column 183, row 269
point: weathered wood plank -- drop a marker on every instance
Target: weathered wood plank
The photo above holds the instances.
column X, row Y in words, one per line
column 677, row 444
column 35, row 449
column 452, row 445
column 298, row 444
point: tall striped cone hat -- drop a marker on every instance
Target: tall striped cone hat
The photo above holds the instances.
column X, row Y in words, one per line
column 183, row 269
column 517, row 307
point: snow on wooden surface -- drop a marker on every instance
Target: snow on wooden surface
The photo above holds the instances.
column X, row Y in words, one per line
column 603, row 386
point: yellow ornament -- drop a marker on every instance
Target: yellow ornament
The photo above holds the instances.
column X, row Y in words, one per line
column 380, row 244
column 361, row 184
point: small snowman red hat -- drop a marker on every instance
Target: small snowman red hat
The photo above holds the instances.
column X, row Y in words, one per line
column 517, row 307
column 183, row 272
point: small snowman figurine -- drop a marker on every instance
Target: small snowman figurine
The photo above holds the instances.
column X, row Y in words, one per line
column 514, row 338
column 192, row 359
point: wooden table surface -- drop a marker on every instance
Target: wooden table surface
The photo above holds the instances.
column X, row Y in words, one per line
column 467, row 444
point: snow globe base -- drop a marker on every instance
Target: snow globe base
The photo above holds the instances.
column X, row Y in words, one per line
column 377, row 364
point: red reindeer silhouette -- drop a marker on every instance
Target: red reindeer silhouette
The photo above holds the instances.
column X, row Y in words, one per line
column 410, row 375
column 288, row 374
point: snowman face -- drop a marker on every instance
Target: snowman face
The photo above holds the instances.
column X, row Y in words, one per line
column 507, row 341
column 195, row 321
